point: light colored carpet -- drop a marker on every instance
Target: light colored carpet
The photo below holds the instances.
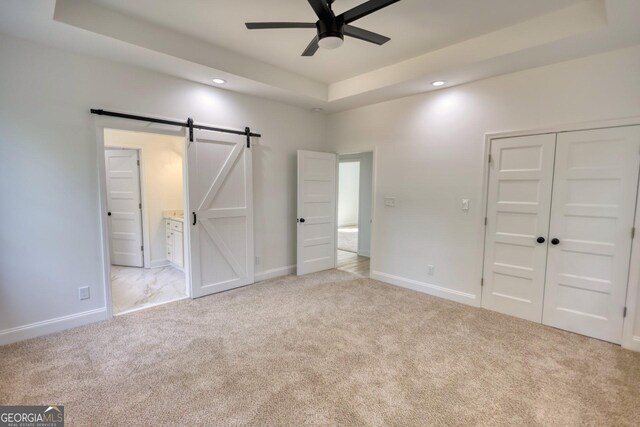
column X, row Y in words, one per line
column 326, row 349
column 348, row 239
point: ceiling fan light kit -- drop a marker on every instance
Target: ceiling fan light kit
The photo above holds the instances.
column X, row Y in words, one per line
column 331, row 42
column 330, row 28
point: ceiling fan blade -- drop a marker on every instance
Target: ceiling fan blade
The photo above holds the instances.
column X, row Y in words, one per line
column 322, row 9
column 276, row 25
column 365, row 35
column 364, row 9
column 312, row 48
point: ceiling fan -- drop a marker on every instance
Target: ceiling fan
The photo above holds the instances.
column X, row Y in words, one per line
column 331, row 28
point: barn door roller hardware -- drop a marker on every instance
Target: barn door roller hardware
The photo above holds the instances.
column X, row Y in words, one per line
column 188, row 124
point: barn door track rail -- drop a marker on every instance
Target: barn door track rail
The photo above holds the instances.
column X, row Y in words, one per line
column 188, row 124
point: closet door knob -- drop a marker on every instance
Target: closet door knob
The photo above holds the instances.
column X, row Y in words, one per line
column 555, row 241
column 301, row 220
column 541, row 239
column 108, row 213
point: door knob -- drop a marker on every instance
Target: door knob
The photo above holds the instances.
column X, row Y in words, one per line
column 108, row 213
column 541, row 239
column 301, row 220
column 555, row 241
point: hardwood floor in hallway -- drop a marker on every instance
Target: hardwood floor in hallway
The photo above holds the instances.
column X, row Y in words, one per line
column 353, row 263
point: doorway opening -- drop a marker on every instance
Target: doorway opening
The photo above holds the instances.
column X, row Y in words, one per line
column 144, row 175
column 355, row 195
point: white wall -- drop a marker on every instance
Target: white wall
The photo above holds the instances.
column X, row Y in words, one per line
column 429, row 155
column 50, row 230
column 348, row 192
column 162, row 165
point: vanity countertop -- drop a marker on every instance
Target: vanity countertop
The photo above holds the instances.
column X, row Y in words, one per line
column 176, row 215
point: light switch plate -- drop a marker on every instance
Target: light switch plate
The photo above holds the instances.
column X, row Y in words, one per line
column 83, row 293
column 465, row 204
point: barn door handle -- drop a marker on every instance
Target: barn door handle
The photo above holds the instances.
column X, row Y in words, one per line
column 195, row 218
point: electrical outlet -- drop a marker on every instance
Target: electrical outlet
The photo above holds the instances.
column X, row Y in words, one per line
column 83, row 293
column 430, row 269
column 258, row 260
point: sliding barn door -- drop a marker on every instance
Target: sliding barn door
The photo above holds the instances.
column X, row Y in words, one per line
column 594, row 199
column 518, row 207
column 317, row 197
column 221, row 212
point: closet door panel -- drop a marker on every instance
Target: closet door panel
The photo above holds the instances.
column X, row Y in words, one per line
column 518, row 205
column 592, row 215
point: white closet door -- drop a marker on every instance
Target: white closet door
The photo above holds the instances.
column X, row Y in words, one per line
column 221, row 196
column 316, row 211
column 520, row 179
column 594, row 199
column 123, row 204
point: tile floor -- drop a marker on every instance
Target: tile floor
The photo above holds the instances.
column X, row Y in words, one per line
column 135, row 288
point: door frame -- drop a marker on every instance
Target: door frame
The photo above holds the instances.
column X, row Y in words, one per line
column 106, row 122
column 629, row 341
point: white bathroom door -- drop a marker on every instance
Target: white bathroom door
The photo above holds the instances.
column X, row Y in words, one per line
column 594, row 199
column 124, row 207
column 221, row 206
column 316, row 211
column 518, row 205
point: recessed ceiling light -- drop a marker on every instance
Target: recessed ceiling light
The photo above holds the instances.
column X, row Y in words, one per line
column 438, row 83
column 219, row 81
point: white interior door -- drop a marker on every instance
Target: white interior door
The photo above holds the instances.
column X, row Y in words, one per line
column 221, row 203
column 124, row 207
column 594, row 199
column 519, row 200
column 316, row 211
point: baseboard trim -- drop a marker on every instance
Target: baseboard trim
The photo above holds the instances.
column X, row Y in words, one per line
column 273, row 273
column 635, row 344
column 50, row 326
column 427, row 288
column 159, row 263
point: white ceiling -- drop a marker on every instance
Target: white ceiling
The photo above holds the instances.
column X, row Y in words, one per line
column 454, row 40
column 415, row 27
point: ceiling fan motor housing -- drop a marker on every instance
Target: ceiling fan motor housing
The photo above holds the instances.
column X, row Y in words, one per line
column 331, row 28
